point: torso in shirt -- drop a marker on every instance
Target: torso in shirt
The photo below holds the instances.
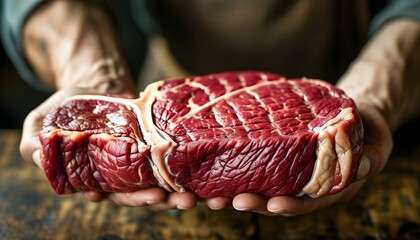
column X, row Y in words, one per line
column 302, row 38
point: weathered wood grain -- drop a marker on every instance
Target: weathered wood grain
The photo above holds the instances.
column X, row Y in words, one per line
column 388, row 207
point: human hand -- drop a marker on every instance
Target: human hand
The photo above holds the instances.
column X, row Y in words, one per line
column 73, row 47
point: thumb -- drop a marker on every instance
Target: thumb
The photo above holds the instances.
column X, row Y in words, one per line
column 378, row 142
column 371, row 164
column 29, row 142
column 36, row 157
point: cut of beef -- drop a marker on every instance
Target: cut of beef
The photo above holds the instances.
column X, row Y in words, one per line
column 215, row 135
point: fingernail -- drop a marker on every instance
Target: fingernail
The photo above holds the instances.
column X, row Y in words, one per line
column 151, row 202
column 273, row 210
column 36, row 158
column 215, row 207
column 180, row 207
column 279, row 211
column 242, row 209
column 364, row 168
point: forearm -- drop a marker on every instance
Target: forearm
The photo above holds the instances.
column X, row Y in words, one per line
column 386, row 73
column 73, row 44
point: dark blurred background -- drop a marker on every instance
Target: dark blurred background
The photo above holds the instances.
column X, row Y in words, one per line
column 17, row 98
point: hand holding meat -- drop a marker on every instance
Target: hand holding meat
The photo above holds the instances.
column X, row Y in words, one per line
column 81, row 58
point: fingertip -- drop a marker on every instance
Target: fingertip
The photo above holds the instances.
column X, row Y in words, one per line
column 242, row 202
column 364, row 169
column 94, row 196
column 286, row 205
column 151, row 196
column 139, row 198
column 36, row 157
column 184, row 200
column 217, row 203
column 249, row 202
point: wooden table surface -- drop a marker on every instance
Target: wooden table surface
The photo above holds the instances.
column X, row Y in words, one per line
column 388, row 207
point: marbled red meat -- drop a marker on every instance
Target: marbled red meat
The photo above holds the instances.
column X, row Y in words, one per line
column 215, row 135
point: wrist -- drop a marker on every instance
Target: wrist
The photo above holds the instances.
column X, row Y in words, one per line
column 73, row 44
column 384, row 74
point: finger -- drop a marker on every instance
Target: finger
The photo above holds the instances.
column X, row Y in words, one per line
column 94, row 196
column 32, row 125
column 29, row 143
column 377, row 143
column 250, row 202
column 177, row 200
column 291, row 206
column 371, row 164
column 138, row 198
column 36, row 157
column 218, row 203
column 184, row 200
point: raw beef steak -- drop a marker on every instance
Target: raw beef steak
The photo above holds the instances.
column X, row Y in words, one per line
column 215, row 135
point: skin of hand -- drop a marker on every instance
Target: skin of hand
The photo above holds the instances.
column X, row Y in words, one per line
column 383, row 81
column 72, row 46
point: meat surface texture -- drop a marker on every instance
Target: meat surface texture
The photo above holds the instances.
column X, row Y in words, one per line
column 215, row 135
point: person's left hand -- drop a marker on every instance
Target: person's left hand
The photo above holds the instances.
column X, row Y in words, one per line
column 30, row 151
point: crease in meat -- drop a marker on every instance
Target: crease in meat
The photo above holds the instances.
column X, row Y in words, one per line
column 226, row 96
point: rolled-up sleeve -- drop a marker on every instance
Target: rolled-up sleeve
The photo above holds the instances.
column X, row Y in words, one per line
column 395, row 9
column 13, row 15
